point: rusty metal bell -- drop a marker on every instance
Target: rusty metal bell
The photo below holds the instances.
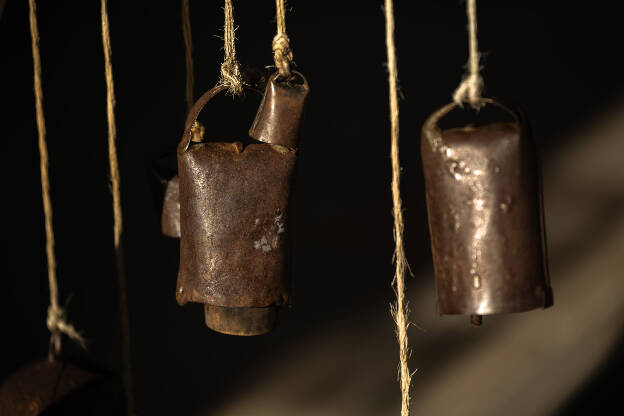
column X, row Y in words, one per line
column 279, row 115
column 234, row 214
column 485, row 211
column 60, row 387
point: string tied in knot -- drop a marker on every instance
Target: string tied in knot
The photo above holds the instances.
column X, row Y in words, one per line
column 57, row 324
column 55, row 320
column 470, row 91
column 230, row 71
column 282, row 54
column 471, row 86
column 231, row 76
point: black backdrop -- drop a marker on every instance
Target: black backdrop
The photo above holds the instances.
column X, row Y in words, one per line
column 559, row 60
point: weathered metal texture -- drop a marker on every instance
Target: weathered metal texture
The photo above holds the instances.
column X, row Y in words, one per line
column 59, row 388
column 170, row 217
column 241, row 321
column 279, row 115
column 33, row 388
column 484, row 203
column 234, row 206
column 233, row 217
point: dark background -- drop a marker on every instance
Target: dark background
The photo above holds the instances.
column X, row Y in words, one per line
column 559, row 60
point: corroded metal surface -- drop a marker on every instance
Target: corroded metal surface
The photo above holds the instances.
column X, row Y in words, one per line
column 58, row 388
column 279, row 115
column 35, row 387
column 485, row 212
column 240, row 321
column 233, row 218
column 234, row 206
column 170, row 217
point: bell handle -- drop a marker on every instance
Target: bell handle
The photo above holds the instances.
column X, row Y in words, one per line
column 193, row 113
column 432, row 130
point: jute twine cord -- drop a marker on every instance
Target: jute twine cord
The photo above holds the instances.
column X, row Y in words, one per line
column 470, row 88
column 197, row 131
column 282, row 54
column 56, row 319
column 188, row 48
column 230, row 69
column 400, row 309
column 117, row 215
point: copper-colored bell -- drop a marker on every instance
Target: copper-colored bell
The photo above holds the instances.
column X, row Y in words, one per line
column 234, row 214
column 279, row 116
column 485, row 209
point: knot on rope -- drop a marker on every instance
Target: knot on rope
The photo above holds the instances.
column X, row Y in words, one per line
column 282, row 54
column 471, row 86
column 231, row 76
column 470, row 91
column 57, row 324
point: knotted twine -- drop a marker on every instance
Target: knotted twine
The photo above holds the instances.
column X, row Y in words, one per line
column 56, row 319
column 117, row 214
column 470, row 88
column 400, row 309
column 282, row 54
column 230, row 69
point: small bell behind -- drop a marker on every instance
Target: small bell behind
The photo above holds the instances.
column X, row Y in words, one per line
column 59, row 387
column 484, row 203
column 170, row 215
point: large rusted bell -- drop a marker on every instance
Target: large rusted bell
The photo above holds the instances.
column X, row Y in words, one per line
column 484, row 202
column 234, row 212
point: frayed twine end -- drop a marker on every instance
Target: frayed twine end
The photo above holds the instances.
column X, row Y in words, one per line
column 56, row 323
column 231, row 76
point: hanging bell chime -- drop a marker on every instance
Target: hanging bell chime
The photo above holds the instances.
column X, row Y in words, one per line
column 59, row 387
column 234, row 214
column 485, row 209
